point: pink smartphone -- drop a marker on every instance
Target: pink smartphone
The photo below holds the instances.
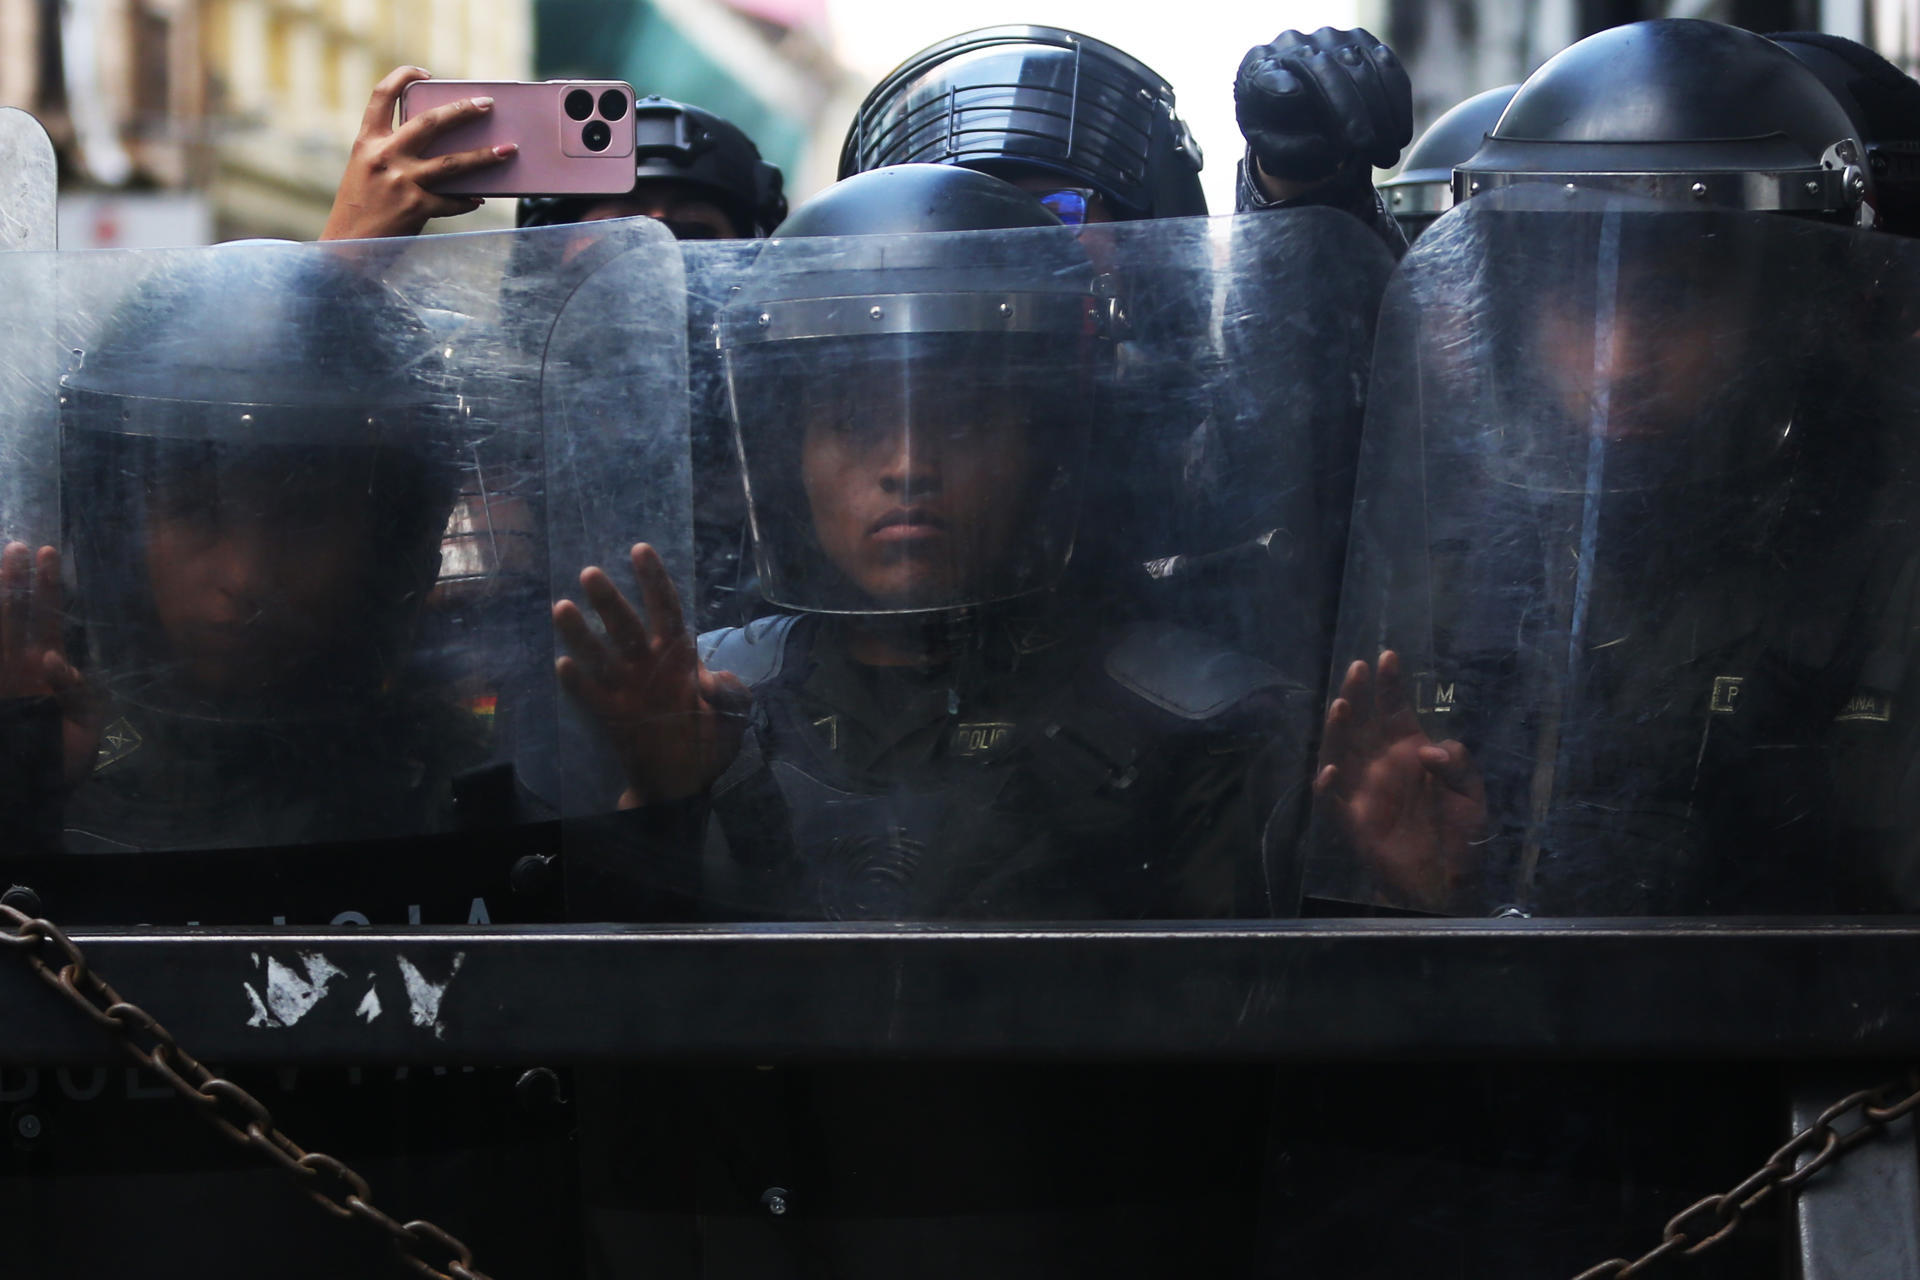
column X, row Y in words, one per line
column 575, row 136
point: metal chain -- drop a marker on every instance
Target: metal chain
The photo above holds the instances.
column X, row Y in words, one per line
column 230, row 1109
column 1710, row 1220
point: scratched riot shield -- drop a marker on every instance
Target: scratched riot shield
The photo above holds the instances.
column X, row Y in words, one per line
column 306, row 523
column 1634, row 522
column 29, row 489
column 727, row 585
column 29, row 445
column 620, row 467
column 1054, row 655
column 29, row 185
column 310, row 503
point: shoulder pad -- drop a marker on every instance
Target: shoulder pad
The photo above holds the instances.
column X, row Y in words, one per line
column 755, row 652
column 1185, row 673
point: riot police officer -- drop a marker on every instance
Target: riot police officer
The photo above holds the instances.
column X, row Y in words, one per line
column 1423, row 188
column 940, row 721
column 1654, row 616
column 934, row 730
column 1093, row 131
column 245, row 711
column 1095, row 135
column 249, row 627
column 1630, row 527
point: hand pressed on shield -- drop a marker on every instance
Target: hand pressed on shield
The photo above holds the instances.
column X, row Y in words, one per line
column 33, row 657
column 382, row 192
column 1414, row 809
column 674, row 724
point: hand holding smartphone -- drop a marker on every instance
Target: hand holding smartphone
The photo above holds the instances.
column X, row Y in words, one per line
column 572, row 137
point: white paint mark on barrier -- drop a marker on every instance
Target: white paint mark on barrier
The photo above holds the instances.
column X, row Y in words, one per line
column 369, row 1003
column 289, row 995
column 423, row 996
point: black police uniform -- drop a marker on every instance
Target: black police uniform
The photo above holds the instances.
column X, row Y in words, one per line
column 1052, row 771
column 390, row 770
column 1733, row 747
column 1042, row 774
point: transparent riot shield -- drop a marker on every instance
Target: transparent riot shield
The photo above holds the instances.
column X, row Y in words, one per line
column 29, row 485
column 1634, row 522
column 1042, row 586
column 29, row 182
column 619, row 466
column 309, row 505
column 726, row 586
column 311, row 500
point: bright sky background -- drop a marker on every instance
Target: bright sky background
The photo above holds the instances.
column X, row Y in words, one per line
column 1196, row 46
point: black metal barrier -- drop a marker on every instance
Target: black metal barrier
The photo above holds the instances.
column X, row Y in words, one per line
column 1327, row 990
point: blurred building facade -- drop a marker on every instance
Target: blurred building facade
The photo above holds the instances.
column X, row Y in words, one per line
column 766, row 65
column 1455, row 48
column 232, row 117
column 287, row 83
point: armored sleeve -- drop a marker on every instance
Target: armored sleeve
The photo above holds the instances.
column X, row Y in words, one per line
column 1349, row 193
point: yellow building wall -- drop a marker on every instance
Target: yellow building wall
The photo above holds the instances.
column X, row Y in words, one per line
column 295, row 75
column 254, row 102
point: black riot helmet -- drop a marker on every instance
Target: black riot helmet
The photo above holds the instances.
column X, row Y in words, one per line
column 1684, row 111
column 912, row 410
column 1884, row 103
column 1423, row 188
column 1020, row 99
column 1636, row 287
column 677, row 142
column 259, row 455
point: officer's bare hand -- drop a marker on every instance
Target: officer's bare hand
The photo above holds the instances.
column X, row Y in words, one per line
column 383, row 191
column 1413, row 808
column 33, row 656
column 1313, row 106
column 675, row 725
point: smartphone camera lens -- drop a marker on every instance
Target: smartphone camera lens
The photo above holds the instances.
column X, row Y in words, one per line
column 597, row 135
column 579, row 104
column 613, row 104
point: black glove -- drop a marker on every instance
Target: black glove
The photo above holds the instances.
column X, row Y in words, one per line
column 1310, row 104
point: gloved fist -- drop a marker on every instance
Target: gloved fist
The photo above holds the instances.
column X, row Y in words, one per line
column 1309, row 104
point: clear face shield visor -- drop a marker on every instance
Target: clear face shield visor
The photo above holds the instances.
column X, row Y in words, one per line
column 1632, row 350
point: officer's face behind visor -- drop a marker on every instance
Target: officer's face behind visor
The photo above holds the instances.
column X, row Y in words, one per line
column 911, row 472
column 1669, row 351
column 257, row 566
column 917, row 491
